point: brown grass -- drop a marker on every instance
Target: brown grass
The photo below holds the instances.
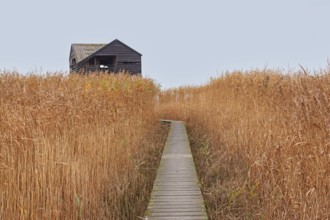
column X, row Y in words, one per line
column 261, row 141
column 77, row 147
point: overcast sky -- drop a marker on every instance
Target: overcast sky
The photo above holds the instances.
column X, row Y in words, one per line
column 183, row 42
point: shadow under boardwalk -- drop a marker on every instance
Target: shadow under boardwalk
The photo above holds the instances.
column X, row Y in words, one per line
column 176, row 193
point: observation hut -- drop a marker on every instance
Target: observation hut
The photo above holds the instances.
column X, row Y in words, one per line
column 113, row 57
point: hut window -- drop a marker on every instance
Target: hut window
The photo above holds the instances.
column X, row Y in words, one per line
column 73, row 61
column 106, row 61
column 91, row 62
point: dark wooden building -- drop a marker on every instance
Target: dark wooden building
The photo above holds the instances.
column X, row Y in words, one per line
column 113, row 57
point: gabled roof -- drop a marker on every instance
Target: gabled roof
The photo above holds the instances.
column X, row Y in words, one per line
column 85, row 51
column 118, row 41
column 82, row 51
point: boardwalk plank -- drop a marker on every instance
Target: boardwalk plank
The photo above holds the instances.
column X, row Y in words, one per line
column 176, row 193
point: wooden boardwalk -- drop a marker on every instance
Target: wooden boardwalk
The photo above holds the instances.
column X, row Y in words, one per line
column 176, row 193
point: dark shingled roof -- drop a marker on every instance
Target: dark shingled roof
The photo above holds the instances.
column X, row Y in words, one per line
column 84, row 50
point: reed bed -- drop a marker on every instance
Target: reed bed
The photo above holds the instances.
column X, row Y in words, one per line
column 261, row 141
column 77, row 147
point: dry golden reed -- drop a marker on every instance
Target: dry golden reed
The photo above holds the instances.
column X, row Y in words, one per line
column 77, row 147
column 261, row 141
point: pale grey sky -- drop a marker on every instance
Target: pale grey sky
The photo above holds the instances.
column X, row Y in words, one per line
column 183, row 42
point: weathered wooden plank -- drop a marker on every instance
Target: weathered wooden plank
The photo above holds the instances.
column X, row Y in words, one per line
column 178, row 214
column 176, row 193
column 176, row 218
column 175, row 204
